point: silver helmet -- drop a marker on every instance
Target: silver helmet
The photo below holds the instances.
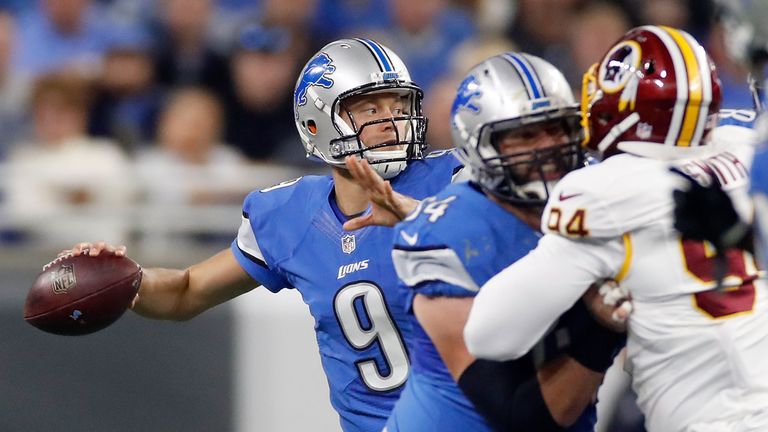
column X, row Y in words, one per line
column 508, row 92
column 347, row 68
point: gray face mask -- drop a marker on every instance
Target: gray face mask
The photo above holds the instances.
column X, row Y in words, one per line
column 506, row 93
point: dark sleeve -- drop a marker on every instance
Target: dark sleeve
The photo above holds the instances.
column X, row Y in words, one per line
column 508, row 395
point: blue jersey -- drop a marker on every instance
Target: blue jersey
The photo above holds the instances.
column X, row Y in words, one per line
column 455, row 242
column 737, row 117
column 759, row 190
column 291, row 237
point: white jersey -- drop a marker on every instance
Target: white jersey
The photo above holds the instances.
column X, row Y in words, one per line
column 697, row 357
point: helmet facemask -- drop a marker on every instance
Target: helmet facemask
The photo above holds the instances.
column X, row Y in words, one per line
column 408, row 128
column 528, row 177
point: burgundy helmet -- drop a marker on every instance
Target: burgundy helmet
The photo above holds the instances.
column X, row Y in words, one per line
column 655, row 93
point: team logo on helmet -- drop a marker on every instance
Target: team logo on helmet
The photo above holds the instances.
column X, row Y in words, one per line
column 468, row 90
column 314, row 74
column 620, row 64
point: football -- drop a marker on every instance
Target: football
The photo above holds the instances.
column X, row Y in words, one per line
column 77, row 295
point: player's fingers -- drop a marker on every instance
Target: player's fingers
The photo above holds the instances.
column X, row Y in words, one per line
column 358, row 222
column 134, row 301
column 622, row 312
column 612, row 293
column 80, row 248
column 97, row 248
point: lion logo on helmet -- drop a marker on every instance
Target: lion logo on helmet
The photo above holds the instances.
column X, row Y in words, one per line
column 314, row 74
column 468, row 90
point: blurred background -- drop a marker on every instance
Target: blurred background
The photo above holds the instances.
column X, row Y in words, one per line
column 145, row 122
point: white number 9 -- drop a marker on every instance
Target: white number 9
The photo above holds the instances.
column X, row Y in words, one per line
column 381, row 328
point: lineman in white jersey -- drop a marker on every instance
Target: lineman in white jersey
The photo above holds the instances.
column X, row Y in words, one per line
column 696, row 355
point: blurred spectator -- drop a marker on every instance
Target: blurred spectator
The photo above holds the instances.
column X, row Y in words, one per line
column 64, row 185
column 61, row 35
column 335, row 19
column 127, row 100
column 733, row 71
column 673, row 13
column 424, row 33
column 592, row 32
column 13, row 88
column 189, row 165
column 294, row 14
column 695, row 16
column 265, row 64
column 17, row 7
column 439, row 100
column 541, row 27
column 184, row 55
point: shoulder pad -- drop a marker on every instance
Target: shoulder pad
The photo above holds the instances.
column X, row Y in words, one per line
column 609, row 199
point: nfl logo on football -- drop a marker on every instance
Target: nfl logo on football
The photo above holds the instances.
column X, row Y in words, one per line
column 63, row 279
column 348, row 243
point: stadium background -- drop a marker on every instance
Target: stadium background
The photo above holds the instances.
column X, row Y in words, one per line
column 145, row 122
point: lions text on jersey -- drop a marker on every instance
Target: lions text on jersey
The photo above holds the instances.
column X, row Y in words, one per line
column 291, row 237
column 450, row 246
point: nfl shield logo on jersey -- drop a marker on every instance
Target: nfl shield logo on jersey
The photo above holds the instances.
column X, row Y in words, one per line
column 348, row 243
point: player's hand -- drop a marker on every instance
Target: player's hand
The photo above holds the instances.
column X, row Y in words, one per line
column 94, row 249
column 388, row 207
column 703, row 211
column 610, row 304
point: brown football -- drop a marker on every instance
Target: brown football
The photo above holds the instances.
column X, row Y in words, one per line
column 77, row 295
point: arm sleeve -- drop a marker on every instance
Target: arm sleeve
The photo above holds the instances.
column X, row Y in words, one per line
column 437, row 271
column 515, row 308
column 251, row 258
column 508, row 395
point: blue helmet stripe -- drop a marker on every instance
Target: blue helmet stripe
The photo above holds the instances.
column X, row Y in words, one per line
column 531, row 81
column 381, row 56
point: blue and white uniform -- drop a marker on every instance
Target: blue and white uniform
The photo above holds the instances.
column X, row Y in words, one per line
column 292, row 237
column 759, row 191
column 451, row 246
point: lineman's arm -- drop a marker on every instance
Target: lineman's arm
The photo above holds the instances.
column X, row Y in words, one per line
column 523, row 300
column 182, row 294
column 509, row 394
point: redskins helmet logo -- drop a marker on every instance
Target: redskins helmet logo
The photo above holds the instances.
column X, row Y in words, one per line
column 619, row 65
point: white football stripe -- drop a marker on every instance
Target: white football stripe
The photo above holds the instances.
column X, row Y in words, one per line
column 706, row 82
column 246, row 240
column 681, row 78
column 414, row 267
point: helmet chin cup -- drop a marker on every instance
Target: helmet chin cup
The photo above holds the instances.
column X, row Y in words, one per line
column 387, row 164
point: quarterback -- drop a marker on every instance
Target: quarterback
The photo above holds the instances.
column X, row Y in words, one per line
column 354, row 98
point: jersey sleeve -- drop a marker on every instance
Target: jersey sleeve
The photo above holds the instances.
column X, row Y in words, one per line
column 253, row 256
column 424, row 253
column 435, row 271
column 515, row 308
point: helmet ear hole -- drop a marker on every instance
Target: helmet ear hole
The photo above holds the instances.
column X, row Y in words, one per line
column 311, row 127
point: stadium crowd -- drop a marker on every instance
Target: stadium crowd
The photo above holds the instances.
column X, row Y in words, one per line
column 171, row 105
